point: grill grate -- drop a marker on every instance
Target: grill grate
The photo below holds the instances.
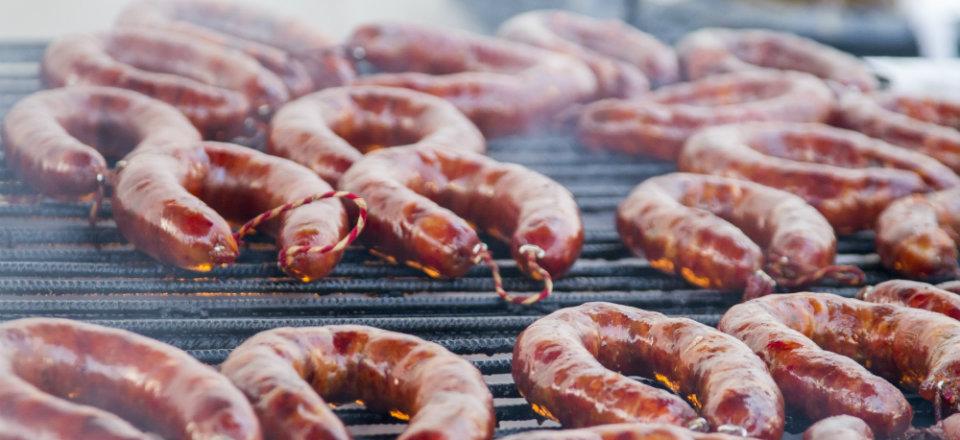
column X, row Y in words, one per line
column 53, row 264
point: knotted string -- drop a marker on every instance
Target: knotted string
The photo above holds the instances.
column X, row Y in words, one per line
column 286, row 255
column 98, row 197
column 532, row 254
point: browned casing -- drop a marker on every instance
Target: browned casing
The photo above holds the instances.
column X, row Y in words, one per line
column 572, row 365
column 839, row 428
column 330, row 130
column 717, row 232
column 914, row 294
column 291, row 373
column 814, row 343
column 425, row 202
column 622, row 431
column 59, row 140
column 175, row 206
column 662, row 121
column 72, row 380
column 848, row 177
column 503, row 87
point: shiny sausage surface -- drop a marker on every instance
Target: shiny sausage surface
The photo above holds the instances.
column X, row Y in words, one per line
column 426, row 201
column 916, row 235
column 572, row 366
column 724, row 233
column 291, row 373
column 330, row 130
column 59, row 141
column 175, row 206
column 658, row 124
column 622, row 431
column 848, row 177
column 71, row 380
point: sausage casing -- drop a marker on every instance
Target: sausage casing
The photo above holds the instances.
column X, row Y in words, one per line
column 424, row 202
column 290, row 373
column 916, row 235
column 622, row 431
column 573, row 364
column 67, row 379
column 330, row 130
column 847, row 176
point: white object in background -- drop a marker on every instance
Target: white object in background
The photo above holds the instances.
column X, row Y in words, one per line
column 935, row 24
column 938, row 77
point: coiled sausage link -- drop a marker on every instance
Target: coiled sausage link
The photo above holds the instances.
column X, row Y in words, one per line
column 305, row 59
column 172, row 207
column 729, row 234
column 847, row 176
column 622, row 431
column 424, row 203
column 812, row 343
column 572, row 365
column 913, row 294
column 714, row 50
column 916, row 235
column 927, row 125
column 290, row 373
column 71, row 380
column 222, row 92
column 59, row 141
column 330, row 130
column 503, row 87
column 658, row 124
column 624, row 59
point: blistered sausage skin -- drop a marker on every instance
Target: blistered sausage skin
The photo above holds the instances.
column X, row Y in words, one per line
column 65, row 379
column 812, row 343
column 712, row 51
column 289, row 374
column 730, row 234
column 304, row 58
column 847, row 176
column 59, row 141
column 839, row 428
column 221, row 91
column 622, row 431
column 624, row 59
column 927, row 125
column 914, row 294
column 174, row 206
column 330, row 130
column 503, row 87
column 658, row 124
column 916, row 235
column 425, row 201
column 572, row 365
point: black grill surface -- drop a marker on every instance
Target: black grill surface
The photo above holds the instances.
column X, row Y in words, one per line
column 53, row 264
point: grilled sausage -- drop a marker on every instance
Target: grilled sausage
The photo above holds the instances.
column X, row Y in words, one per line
column 305, row 59
column 172, row 207
column 913, row 294
column 424, row 201
column 713, row 50
column 622, row 431
column 221, row 91
column 57, row 140
column 290, row 373
column 67, row 379
column 572, row 366
column 503, row 87
column 927, row 125
column 658, row 124
column 839, row 428
column 624, row 59
column 330, row 130
column 916, row 234
column 730, row 234
column 812, row 343
column 847, row 176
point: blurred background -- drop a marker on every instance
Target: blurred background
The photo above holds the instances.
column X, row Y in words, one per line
column 901, row 28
